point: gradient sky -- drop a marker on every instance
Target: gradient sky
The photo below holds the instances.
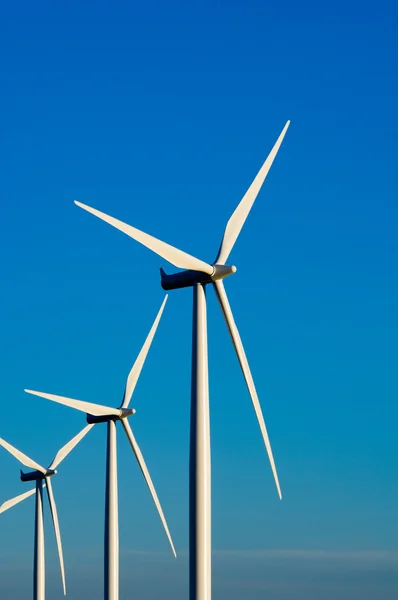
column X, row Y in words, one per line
column 161, row 115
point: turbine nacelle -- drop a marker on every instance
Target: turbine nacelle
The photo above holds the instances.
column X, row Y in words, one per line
column 190, row 277
column 124, row 413
column 35, row 475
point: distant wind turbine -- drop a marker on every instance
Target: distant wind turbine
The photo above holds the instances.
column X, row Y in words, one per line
column 198, row 274
column 42, row 477
column 97, row 413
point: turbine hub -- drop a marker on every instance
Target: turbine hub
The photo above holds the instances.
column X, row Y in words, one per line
column 127, row 412
column 222, row 271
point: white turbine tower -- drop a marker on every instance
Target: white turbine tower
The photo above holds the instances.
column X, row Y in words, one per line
column 42, row 478
column 198, row 274
column 97, row 413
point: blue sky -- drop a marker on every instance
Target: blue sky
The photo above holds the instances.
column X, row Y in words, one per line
column 161, row 115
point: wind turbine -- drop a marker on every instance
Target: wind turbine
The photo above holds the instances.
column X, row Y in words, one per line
column 198, row 274
column 97, row 413
column 42, row 478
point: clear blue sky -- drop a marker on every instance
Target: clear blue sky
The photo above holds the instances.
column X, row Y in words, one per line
column 161, row 114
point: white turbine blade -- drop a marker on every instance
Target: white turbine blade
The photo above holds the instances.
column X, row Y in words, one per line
column 139, row 363
column 239, row 217
column 54, row 515
column 63, row 453
column 237, row 342
column 145, row 472
column 176, row 257
column 86, row 407
column 25, row 460
column 10, row 503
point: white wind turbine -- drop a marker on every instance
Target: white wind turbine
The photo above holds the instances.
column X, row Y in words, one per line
column 42, row 478
column 97, row 413
column 198, row 274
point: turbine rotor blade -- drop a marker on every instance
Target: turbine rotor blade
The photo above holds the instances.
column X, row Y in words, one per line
column 147, row 477
column 10, row 503
column 240, row 214
column 237, row 342
column 139, row 363
column 25, row 460
column 54, row 515
column 65, row 450
column 86, row 407
column 176, row 257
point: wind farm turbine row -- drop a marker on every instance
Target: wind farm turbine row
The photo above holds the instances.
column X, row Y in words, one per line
column 95, row 413
column 196, row 274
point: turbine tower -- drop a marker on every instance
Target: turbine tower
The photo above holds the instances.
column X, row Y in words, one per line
column 97, row 413
column 42, row 478
column 198, row 274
